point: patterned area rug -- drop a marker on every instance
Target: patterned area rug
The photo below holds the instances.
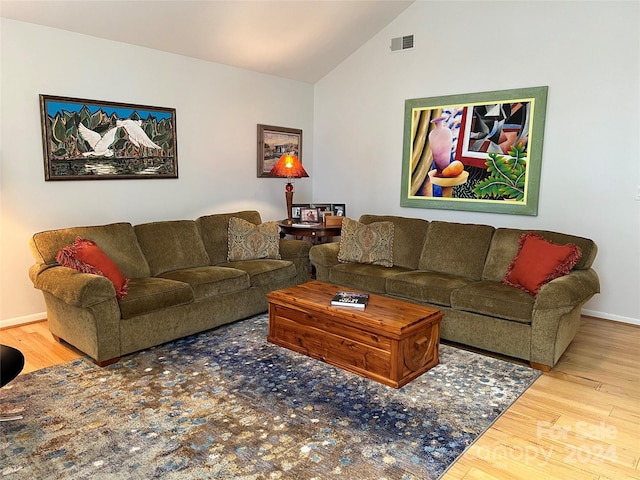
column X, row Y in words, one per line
column 226, row 404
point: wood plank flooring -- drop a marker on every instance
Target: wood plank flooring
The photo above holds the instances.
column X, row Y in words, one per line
column 579, row 421
column 37, row 345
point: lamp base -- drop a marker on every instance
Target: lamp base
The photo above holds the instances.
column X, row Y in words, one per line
column 288, row 195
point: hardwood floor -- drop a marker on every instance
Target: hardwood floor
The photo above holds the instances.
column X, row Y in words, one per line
column 37, row 345
column 579, row 421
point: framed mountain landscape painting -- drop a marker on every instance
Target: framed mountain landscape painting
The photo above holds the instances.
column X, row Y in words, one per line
column 96, row 140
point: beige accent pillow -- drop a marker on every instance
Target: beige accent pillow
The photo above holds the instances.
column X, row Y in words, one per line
column 361, row 243
column 248, row 241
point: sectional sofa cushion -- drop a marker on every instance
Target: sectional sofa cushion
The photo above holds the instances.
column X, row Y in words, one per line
column 214, row 231
column 252, row 242
column 408, row 238
column 117, row 240
column 151, row 294
column 456, row 248
column 364, row 276
column 430, row 287
column 361, row 243
column 171, row 245
column 265, row 272
column 209, row 281
column 494, row 299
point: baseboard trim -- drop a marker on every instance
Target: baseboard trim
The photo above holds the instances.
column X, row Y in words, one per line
column 14, row 322
column 608, row 316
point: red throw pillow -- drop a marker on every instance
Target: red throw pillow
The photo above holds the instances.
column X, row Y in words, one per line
column 539, row 261
column 85, row 256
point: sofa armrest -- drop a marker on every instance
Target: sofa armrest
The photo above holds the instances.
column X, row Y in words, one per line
column 72, row 287
column 323, row 257
column 568, row 291
column 290, row 248
column 556, row 315
column 296, row 251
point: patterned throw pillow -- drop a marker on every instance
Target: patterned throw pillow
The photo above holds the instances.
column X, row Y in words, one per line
column 85, row 256
column 361, row 243
column 539, row 261
column 248, row 241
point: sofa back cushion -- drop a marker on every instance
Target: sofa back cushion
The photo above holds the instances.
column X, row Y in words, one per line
column 506, row 241
column 248, row 241
column 456, row 248
column 214, row 231
column 171, row 245
column 117, row 240
column 408, row 237
column 366, row 243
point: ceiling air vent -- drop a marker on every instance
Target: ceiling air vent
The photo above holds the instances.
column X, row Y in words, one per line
column 401, row 43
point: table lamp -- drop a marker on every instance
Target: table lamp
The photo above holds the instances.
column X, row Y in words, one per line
column 290, row 167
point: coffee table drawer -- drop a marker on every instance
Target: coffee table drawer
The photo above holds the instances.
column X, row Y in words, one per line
column 319, row 338
column 336, row 326
column 390, row 341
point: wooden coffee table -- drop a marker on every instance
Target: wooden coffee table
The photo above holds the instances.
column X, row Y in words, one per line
column 390, row 341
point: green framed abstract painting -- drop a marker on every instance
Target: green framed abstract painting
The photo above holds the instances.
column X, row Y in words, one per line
column 476, row 152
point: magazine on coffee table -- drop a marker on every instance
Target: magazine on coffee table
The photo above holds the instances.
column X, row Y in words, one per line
column 350, row 299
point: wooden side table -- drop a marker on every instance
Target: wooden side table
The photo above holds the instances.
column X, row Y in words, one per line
column 318, row 233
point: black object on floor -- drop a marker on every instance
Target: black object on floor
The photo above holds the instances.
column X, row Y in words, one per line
column 11, row 364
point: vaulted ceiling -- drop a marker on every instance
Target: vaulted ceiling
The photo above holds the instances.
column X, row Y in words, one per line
column 301, row 40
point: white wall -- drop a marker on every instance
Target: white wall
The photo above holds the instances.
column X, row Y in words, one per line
column 217, row 110
column 588, row 53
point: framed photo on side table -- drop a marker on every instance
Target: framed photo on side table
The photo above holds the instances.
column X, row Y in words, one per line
column 339, row 209
column 309, row 215
column 322, row 207
column 295, row 210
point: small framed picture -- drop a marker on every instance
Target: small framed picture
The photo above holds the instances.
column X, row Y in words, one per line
column 322, row 207
column 295, row 210
column 339, row 209
column 309, row 215
column 325, row 214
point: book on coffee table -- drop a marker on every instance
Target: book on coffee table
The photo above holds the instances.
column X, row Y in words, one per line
column 350, row 299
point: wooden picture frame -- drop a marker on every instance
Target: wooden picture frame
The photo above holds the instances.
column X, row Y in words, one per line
column 493, row 138
column 273, row 142
column 98, row 140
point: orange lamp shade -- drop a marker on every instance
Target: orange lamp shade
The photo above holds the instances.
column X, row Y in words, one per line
column 288, row 166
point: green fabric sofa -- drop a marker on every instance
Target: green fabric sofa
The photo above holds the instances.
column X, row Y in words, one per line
column 458, row 269
column 181, row 283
